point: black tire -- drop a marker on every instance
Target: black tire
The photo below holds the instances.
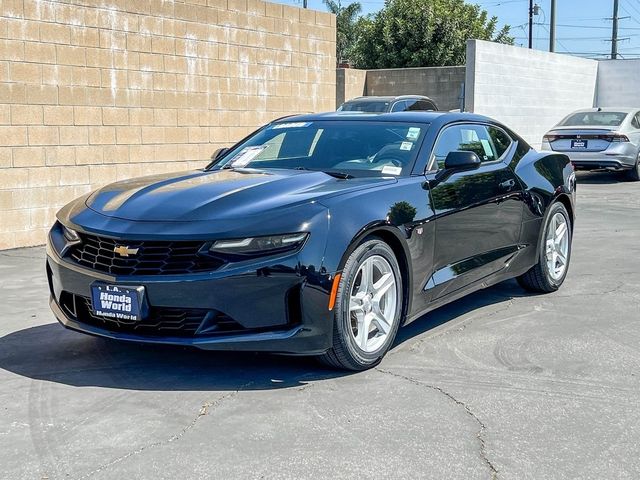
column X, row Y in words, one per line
column 538, row 278
column 633, row 175
column 345, row 354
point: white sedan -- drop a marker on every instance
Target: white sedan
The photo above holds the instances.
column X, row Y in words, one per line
column 599, row 139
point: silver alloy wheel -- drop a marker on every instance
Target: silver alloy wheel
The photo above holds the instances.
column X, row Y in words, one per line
column 372, row 303
column 557, row 246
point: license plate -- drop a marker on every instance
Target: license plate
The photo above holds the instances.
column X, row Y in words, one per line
column 578, row 144
column 114, row 301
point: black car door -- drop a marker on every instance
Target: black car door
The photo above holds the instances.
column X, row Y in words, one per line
column 478, row 212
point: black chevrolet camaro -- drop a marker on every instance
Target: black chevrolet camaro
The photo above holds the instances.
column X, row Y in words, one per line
column 316, row 235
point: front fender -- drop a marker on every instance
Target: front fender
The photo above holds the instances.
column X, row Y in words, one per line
column 394, row 209
column 401, row 214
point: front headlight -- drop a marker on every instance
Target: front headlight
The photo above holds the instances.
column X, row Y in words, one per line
column 259, row 245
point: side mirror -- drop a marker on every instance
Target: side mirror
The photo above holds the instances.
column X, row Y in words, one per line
column 456, row 161
column 219, row 152
column 461, row 160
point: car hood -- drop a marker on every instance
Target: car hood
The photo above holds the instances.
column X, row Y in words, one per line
column 216, row 195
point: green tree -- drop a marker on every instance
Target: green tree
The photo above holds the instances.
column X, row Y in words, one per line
column 346, row 20
column 422, row 33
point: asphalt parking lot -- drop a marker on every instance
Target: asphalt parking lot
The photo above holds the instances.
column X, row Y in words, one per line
column 502, row 384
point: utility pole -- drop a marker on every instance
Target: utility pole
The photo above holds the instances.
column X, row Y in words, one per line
column 531, row 23
column 614, row 33
column 552, row 27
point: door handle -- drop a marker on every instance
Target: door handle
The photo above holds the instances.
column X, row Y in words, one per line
column 507, row 185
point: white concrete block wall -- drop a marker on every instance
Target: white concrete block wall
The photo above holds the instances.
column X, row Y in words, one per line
column 528, row 90
column 618, row 83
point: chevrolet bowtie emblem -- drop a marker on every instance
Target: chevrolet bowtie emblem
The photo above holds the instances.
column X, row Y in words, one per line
column 125, row 251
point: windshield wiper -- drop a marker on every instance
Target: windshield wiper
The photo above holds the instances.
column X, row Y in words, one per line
column 342, row 175
column 334, row 174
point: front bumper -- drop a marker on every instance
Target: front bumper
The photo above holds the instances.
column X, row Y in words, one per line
column 279, row 306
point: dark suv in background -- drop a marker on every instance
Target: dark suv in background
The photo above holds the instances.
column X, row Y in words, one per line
column 402, row 103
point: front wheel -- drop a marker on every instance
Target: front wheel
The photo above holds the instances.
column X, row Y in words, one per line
column 368, row 308
column 555, row 252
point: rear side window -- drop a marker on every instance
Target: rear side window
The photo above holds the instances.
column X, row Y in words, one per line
column 501, row 141
column 365, row 106
column 399, row 106
column 488, row 143
column 601, row 119
column 424, row 105
column 418, row 105
column 636, row 120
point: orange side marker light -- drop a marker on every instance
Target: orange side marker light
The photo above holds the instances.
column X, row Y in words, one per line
column 334, row 291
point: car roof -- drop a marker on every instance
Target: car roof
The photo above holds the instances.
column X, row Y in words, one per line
column 415, row 116
column 607, row 109
column 389, row 98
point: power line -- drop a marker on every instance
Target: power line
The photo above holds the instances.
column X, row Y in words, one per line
column 591, row 26
column 632, row 6
column 575, row 38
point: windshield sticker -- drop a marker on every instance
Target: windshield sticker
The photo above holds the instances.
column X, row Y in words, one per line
column 278, row 126
column 391, row 170
column 406, row 146
column 246, row 155
column 413, row 133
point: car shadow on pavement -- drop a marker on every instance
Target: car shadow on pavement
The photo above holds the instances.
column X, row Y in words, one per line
column 500, row 293
column 54, row 354
column 600, row 178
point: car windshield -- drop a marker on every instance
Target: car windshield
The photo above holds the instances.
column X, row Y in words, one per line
column 605, row 119
column 371, row 106
column 350, row 148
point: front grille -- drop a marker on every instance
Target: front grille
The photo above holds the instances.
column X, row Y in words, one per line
column 161, row 321
column 152, row 257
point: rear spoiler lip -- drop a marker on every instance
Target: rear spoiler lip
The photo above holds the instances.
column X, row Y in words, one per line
column 583, row 134
column 578, row 130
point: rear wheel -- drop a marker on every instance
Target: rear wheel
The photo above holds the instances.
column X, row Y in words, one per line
column 368, row 308
column 634, row 173
column 555, row 252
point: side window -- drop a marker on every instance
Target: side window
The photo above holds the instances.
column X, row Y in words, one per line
column 636, row 121
column 424, row 106
column 501, row 141
column 399, row 106
column 471, row 138
column 412, row 105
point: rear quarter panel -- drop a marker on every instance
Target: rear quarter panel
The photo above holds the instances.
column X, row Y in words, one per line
column 546, row 178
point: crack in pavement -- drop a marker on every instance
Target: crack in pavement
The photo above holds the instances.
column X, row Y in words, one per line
column 468, row 411
column 204, row 410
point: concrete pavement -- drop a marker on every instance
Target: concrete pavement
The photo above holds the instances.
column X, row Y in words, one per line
column 502, row 384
